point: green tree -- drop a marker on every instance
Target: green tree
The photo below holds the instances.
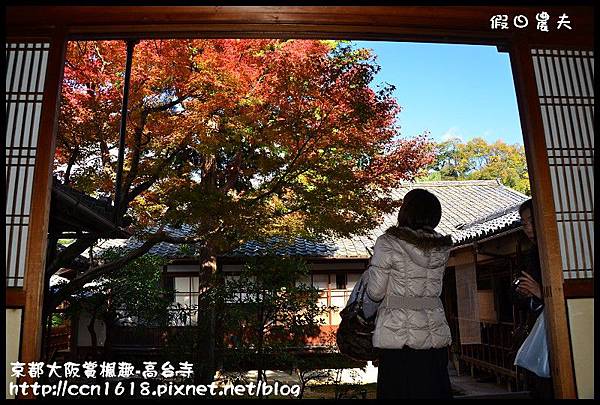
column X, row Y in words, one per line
column 237, row 138
column 269, row 312
column 479, row 160
column 131, row 294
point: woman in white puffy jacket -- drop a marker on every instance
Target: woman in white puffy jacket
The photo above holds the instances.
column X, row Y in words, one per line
column 405, row 274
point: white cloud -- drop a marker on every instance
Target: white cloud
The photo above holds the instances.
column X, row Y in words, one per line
column 451, row 133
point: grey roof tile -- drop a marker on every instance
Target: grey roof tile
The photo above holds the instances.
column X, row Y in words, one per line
column 470, row 209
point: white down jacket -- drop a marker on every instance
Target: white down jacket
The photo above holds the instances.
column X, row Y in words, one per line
column 408, row 263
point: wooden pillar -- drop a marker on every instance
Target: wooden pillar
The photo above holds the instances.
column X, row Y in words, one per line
column 545, row 221
column 40, row 206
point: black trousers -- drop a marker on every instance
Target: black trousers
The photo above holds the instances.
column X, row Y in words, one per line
column 540, row 387
column 410, row 373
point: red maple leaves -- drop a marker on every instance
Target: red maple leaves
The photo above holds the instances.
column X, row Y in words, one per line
column 287, row 135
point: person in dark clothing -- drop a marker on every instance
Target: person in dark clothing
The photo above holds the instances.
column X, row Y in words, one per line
column 415, row 374
column 530, row 287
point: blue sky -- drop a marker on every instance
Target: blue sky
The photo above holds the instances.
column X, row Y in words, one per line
column 465, row 91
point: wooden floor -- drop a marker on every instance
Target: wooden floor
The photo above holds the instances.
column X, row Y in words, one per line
column 472, row 388
column 507, row 395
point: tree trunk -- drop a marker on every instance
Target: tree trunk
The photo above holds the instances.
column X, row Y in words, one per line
column 109, row 323
column 259, row 374
column 91, row 328
column 207, row 329
column 302, row 388
column 261, row 338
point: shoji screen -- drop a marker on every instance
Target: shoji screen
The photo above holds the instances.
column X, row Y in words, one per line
column 25, row 74
column 566, row 94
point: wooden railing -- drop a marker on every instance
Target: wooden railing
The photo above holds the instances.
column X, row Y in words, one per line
column 495, row 355
column 59, row 338
column 137, row 336
column 495, row 349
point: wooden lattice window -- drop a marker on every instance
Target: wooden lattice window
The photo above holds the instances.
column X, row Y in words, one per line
column 25, row 75
column 566, row 94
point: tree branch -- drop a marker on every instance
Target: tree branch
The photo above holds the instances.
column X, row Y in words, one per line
column 234, row 172
column 67, row 255
column 301, row 150
column 72, row 160
column 95, row 272
column 136, row 151
column 104, row 155
column 282, row 178
column 166, row 106
column 145, row 185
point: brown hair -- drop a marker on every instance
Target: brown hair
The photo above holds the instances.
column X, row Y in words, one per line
column 420, row 209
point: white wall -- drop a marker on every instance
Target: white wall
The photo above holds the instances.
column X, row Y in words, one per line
column 13, row 337
column 581, row 328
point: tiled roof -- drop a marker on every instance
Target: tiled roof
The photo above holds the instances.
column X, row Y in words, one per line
column 103, row 206
column 474, row 209
column 160, row 249
column 73, row 211
column 503, row 220
column 470, row 209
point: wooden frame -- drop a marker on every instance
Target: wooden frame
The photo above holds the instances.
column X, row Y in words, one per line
column 32, row 293
column 40, row 206
column 469, row 25
column 582, row 288
column 545, row 218
column 444, row 24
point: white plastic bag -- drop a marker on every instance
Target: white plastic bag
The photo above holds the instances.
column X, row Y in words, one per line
column 533, row 353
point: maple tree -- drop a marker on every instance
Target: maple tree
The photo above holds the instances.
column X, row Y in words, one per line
column 239, row 139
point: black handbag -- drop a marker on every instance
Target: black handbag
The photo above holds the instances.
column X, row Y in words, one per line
column 354, row 336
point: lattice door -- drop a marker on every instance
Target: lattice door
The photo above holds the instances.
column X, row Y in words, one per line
column 25, row 74
column 565, row 85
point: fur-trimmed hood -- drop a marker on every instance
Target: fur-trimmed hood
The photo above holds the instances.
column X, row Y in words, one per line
column 426, row 248
column 422, row 238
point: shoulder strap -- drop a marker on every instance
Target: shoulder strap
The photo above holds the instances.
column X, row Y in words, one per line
column 361, row 299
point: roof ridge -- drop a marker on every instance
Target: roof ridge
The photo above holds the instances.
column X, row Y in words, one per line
column 446, row 183
column 512, row 190
column 490, row 217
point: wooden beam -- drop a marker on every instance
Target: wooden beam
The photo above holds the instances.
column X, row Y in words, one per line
column 545, row 221
column 465, row 255
column 421, row 24
column 582, row 288
column 15, row 297
column 446, row 24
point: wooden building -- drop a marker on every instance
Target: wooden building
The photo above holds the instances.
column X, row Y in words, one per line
column 482, row 218
column 553, row 75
